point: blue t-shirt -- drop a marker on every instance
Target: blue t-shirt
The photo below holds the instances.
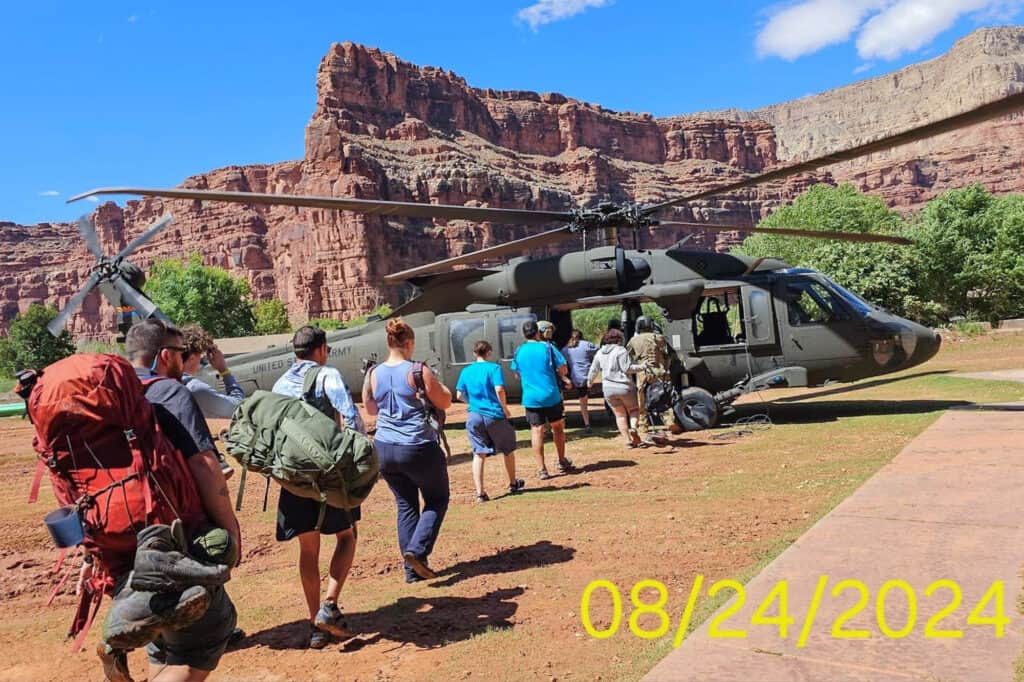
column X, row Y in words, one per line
column 537, row 363
column 579, row 359
column 477, row 383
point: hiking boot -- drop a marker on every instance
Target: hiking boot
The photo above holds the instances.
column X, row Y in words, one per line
column 419, row 565
column 162, row 566
column 115, row 663
column 516, row 485
column 318, row 639
column 136, row 618
column 330, row 619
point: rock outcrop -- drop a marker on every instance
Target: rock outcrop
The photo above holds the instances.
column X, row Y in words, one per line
column 387, row 129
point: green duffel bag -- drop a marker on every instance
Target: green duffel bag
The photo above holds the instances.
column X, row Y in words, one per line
column 301, row 448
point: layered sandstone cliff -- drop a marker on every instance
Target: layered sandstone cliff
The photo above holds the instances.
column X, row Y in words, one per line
column 387, row 129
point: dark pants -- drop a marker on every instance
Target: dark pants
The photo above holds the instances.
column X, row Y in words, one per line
column 412, row 470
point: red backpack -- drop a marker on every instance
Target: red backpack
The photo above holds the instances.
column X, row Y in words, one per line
column 100, row 439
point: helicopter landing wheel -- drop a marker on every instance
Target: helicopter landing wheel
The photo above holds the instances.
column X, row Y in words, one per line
column 696, row 409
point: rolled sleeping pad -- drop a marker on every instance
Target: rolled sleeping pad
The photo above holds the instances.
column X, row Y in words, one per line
column 12, row 409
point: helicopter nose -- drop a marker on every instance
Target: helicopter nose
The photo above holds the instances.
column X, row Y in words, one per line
column 920, row 344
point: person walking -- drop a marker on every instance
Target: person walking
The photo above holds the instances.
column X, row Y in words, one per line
column 299, row 517
column 488, row 426
column 542, row 370
column 579, row 354
column 651, row 350
column 613, row 363
column 411, row 460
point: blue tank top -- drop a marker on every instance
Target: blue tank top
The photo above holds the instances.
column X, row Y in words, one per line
column 401, row 418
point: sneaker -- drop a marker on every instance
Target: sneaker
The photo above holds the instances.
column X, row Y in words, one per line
column 137, row 617
column 318, row 639
column 411, row 577
column 419, row 565
column 235, row 638
column 482, row 497
column 587, row 430
column 543, row 474
column 565, row 466
column 115, row 663
column 516, row 486
column 330, row 619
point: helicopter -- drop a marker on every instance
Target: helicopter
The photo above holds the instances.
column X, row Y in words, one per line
column 737, row 324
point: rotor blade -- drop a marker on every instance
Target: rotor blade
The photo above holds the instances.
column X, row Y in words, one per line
column 793, row 232
column 150, row 232
column 372, row 206
column 985, row 112
column 88, row 233
column 517, row 246
column 131, row 296
column 74, row 303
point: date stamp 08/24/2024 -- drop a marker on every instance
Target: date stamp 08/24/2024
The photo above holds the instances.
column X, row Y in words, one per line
column 649, row 619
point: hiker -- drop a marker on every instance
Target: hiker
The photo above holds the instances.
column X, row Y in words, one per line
column 652, row 350
column 401, row 394
column 542, row 370
column 155, row 348
column 213, row 404
column 488, row 426
column 297, row 517
column 579, row 354
column 613, row 363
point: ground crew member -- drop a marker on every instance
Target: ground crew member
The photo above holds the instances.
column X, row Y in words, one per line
column 651, row 350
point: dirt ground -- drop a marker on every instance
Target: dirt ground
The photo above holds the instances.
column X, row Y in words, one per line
column 507, row 602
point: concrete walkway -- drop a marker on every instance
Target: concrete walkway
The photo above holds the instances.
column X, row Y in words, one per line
column 949, row 506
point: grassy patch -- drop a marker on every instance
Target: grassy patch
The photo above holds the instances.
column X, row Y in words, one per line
column 6, row 385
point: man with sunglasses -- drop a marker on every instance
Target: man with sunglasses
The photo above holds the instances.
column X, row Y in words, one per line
column 203, row 351
column 156, row 349
column 298, row 517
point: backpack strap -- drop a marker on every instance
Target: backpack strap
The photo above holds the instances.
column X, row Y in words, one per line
column 428, row 407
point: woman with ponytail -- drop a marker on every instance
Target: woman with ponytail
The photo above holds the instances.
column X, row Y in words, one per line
column 411, row 460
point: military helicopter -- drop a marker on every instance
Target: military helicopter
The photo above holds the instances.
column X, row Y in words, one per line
column 736, row 323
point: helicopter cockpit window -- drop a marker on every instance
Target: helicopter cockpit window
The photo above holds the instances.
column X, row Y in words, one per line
column 510, row 331
column 811, row 303
column 718, row 321
column 462, row 335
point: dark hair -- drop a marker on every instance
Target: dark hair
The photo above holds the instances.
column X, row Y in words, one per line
column 530, row 329
column 144, row 341
column 615, row 323
column 399, row 333
column 481, row 348
column 612, row 336
column 306, row 340
column 575, row 338
column 197, row 340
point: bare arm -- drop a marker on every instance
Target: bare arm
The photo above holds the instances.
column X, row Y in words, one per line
column 438, row 394
column 502, row 398
column 213, row 492
column 369, row 404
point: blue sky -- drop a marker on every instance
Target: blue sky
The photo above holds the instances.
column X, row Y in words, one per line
column 148, row 93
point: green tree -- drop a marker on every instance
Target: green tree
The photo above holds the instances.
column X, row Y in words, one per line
column 326, row 323
column 271, row 317
column 29, row 344
column 207, row 295
column 593, row 322
column 885, row 274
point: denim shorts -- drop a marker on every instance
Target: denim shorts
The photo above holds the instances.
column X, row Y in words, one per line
column 489, row 436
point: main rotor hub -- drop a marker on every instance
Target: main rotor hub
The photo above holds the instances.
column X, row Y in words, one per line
column 610, row 215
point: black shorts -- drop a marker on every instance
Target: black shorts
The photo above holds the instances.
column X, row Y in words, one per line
column 538, row 416
column 577, row 392
column 297, row 515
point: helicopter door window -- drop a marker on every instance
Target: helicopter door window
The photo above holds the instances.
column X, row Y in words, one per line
column 812, row 303
column 718, row 320
column 510, row 330
column 761, row 315
column 462, row 335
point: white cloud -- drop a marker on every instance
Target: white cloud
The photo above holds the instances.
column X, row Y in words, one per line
column 885, row 29
column 863, row 67
column 94, row 200
column 49, row 193
column 546, row 11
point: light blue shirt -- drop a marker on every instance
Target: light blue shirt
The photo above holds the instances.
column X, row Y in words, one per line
column 477, row 382
column 328, row 382
column 537, row 363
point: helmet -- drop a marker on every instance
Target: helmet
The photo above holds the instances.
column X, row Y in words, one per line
column 643, row 324
column 546, row 329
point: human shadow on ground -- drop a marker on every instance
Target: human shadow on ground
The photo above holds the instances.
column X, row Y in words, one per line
column 552, row 488
column 540, row 553
column 606, row 464
column 425, row 622
column 858, row 386
column 821, row 411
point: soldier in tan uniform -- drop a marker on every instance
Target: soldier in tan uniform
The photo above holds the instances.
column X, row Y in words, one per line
column 650, row 348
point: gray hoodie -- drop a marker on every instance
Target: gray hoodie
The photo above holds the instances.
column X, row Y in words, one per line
column 614, row 364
